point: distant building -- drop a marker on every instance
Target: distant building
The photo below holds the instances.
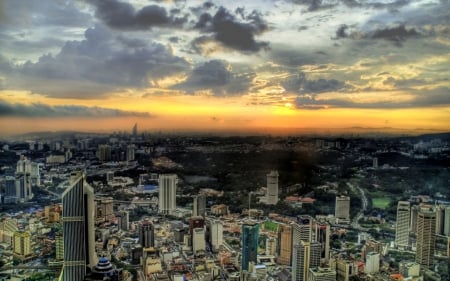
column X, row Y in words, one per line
column 104, row 152
column 130, row 152
column 216, row 235
column 447, row 221
column 22, row 243
column 271, row 246
column 104, row 209
column 272, row 188
column 402, row 224
column 123, row 218
column 375, row 162
column 167, row 193
column 199, row 206
column 134, row 130
column 250, row 235
column 284, row 249
column 146, row 233
column 23, row 180
column 342, row 208
column 198, row 241
column 426, row 227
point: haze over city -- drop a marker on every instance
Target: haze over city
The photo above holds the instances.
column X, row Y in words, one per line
column 248, row 66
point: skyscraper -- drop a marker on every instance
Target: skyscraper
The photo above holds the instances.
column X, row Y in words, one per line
column 198, row 240
column 23, row 180
column 447, row 221
column 284, row 241
column 321, row 234
column 372, row 263
column 78, row 228
column 402, row 224
column 426, row 227
column 302, row 229
column 216, row 234
column 167, row 193
column 134, row 130
column 342, row 209
column 147, row 234
column 250, row 235
column 199, row 206
column 272, row 188
column 305, row 255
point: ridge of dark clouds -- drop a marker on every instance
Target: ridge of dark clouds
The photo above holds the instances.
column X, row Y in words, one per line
column 121, row 15
column 394, row 33
column 225, row 28
column 439, row 96
column 300, row 84
column 315, row 5
column 215, row 75
column 44, row 110
column 97, row 65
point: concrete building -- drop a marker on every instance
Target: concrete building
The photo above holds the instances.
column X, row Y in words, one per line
column 198, row 241
column 342, row 208
column 78, row 228
column 216, row 235
column 402, row 224
column 199, row 206
column 23, row 180
column 271, row 246
column 123, row 220
column 322, row 274
column 447, row 222
column 146, row 231
column 344, row 269
column 302, row 230
column 426, row 227
column 130, row 152
column 272, row 188
column 372, row 263
column 321, row 234
column 167, row 184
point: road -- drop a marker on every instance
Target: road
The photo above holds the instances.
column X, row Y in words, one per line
column 364, row 204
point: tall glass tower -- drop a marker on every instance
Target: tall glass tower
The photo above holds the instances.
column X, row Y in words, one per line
column 250, row 235
column 78, row 228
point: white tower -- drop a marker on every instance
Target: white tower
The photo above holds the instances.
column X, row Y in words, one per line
column 167, row 193
column 272, row 188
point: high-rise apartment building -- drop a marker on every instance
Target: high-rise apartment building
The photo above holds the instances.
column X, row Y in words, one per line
column 167, row 184
column 216, row 234
column 342, row 208
column 272, row 188
column 22, row 243
column 146, row 232
column 123, row 219
column 305, row 255
column 104, row 152
column 284, row 241
column 402, row 224
column 426, row 227
column 78, row 228
column 130, row 152
column 23, row 180
column 198, row 241
column 250, row 236
column 372, row 263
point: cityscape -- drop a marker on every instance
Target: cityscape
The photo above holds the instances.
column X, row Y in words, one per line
column 182, row 140
column 154, row 206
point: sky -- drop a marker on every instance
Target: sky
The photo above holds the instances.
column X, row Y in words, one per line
column 242, row 66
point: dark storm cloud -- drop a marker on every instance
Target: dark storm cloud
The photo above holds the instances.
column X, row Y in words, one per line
column 122, row 15
column 299, row 84
column 101, row 63
column 225, row 28
column 315, row 5
column 43, row 110
column 215, row 75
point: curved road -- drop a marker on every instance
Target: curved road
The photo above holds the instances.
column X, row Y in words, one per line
column 364, row 203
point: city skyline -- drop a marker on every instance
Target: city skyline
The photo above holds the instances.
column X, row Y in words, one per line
column 261, row 66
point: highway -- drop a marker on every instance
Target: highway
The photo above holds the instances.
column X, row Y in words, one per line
column 364, row 204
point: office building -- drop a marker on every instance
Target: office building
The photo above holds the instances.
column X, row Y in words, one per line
column 167, row 184
column 199, row 206
column 447, row 221
column 305, row 255
column 146, row 232
column 344, row 269
column 123, row 218
column 23, row 180
column 130, row 152
column 216, row 235
column 198, row 241
column 250, row 236
column 78, row 228
column 342, row 208
column 372, row 263
column 426, row 227
column 322, row 274
column 302, row 230
column 103, row 209
column 402, row 224
column 104, row 152
column 22, row 243
column 414, row 215
column 272, row 188
column 321, row 234
column 284, row 241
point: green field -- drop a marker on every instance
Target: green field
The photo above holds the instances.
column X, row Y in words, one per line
column 381, row 202
column 270, row 226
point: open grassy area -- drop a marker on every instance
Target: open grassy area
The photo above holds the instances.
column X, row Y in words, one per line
column 270, row 226
column 381, row 202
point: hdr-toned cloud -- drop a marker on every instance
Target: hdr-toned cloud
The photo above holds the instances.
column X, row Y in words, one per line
column 44, row 110
column 123, row 15
column 96, row 66
column 217, row 77
column 299, row 84
column 230, row 31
